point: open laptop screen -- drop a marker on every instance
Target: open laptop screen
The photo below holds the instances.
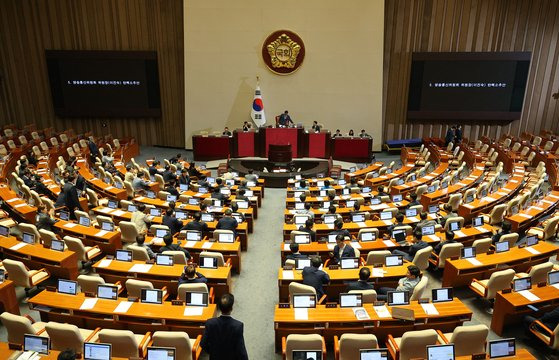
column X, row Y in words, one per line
column 502, row 348
column 160, row 353
column 398, row 298
column 36, row 343
column 373, row 354
column 440, row 352
column 441, row 294
column 67, row 287
column 96, row 351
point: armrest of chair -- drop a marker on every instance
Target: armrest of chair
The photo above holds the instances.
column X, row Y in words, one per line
column 322, row 300
column 474, row 280
column 142, row 347
column 196, row 348
column 392, row 346
column 118, row 284
column 93, row 334
column 33, row 272
column 326, row 263
column 441, row 335
column 93, row 248
column 165, row 293
column 283, row 347
column 323, row 349
column 211, row 295
column 336, row 348
column 228, row 263
column 538, row 334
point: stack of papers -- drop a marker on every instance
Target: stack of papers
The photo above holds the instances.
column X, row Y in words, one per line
column 190, row 243
column 361, row 313
column 301, row 314
column 104, row 263
column 532, row 250
column 382, row 311
column 88, row 304
column 69, row 225
column 459, row 233
column 140, row 268
column 287, row 275
column 101, row 233
column 193, row 311
column 378, row 272
column 18, row 246
column 474, row 261
column 388, row 243
column 123, row 307
column 430, row 309
column 207, row 245
column 118, row 212
column 529, row 295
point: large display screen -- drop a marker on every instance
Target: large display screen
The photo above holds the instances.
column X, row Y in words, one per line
column 104, row 83
column 468, row 86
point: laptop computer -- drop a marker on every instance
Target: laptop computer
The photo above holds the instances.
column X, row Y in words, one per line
column 107, row 226
column 386, row 215
column 397, row 198
column 38, row 344
column 155, row 212
column 477, row 221
column 193, row 235
column 428, row 230
column 411, row 212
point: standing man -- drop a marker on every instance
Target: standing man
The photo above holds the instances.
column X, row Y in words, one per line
column 223, row 336
column 449, row 137
column 285, row 119
column 71, row 199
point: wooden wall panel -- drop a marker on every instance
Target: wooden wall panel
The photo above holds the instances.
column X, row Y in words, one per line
column 28, row 27
column 472, row 25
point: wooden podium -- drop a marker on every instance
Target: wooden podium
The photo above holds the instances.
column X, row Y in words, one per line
column 280, row 154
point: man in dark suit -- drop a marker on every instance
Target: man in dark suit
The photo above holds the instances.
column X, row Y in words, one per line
column 417, row 245
column 449, row 239
column 184, row 178
column 285, row 119
column 295, row 254
column 314, row 277
column 361, row 284
column 93, row 149
column 550, row 319
column 153, row 168
column 341, row 250
column 308, row 229
column 169, row 246
column 197, row 224
column 449, row 137
column 168, row 174
column 71, row 199
column 172, row 222
column 227, row 222
column 223, row 336
column 338, row 225
column 191, row 276
column 413, row 200
column 216, row 194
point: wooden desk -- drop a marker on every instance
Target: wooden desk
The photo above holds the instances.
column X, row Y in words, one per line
column 329, row 322
column 442, row 195
column 108, row 241
column 424, row 180
column 340, row 277
column 361, row 173
column 99, row 186
column 484, row 205
column 139, row 318
column 521, row 354
column 8, row 299
column 316, row 201
column 346, row 212
column 525, row 218
column 509, row 309
column 385, row 179
column 62, row 264
column 461, row 272
column 159, row 275
column 16, row 205
column 6, row 353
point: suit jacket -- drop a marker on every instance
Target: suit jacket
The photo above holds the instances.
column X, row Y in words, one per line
column 359, row 285
column 315, row 278
column 223, row 339
column 173, row 223
column 175, row 247
column 196, row 225
column 312, row 233
column 44, row 221
column 153, row 170
column 347, row 251
column 71, row 199
column 227, row 223
column 199, row 278
column 295, row 256
column 415, row 248
column 440, row 245
column 551, row 318
column 184, row 179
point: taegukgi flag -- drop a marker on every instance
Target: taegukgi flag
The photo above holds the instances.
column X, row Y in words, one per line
column 257, row 112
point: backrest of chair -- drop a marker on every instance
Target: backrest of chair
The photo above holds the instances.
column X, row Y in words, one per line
column 64, row 336
column 302, row 342
column 30, row 228
column 134, row 287
column 516, row 146
column 414, row 343
column 296, row 288
column 213, row 254
column 350, row 344
column 498, row 281
column 497, row 214
column 421, row 258
column 368, row 296
column 88, row 283
column 178, row 256
column 469, row 340
column 76, row 245
column 454, row 200
column 511, row 238
column 153, row 228
column 551, row 227
column 174, row 339
column 453, row 219
column 16, row 327
column 123, row 342
column 419, row 288
column 421, row 190
column 128, row 231
column 17, row 272
column 138, row 253
column 538, row 272
column 47, row 236
column 190, row 287
column 377, row 256
column 482, row 245
column 448, row 251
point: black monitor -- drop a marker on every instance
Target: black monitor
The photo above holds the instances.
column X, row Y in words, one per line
column 160, row 233
column 38, row 344
column 501, row 246
column 398, row 298
column 124, row 255
column 365, row 190
column 84, row 221
column 155, row 212
column 132, row 208
column 112, row 204
column 440, row 352
column 4, row 231
column 107, row 226
column 394, row 260
column 477, row 221
column 397, row 198
column 107, row 292
column 193, row 235
column 2, row 275
column 302, row 238
column 160, row 353
column 373, row 354
column 469, row 199
column 207, row 217
column 197, row 299
column 28, row 238
column 228, row 238
column 428, row 230
column 301, row 263
column 67, row 287
column 386, row 215
column 97, row 351
column 349, row 263
column 207, row 262
column 375, row 201
column 399, row 235
column 357, row 217
column 328, row 218
column 164, row 259
column 553, row 277
column 444, row 184
column 442, row 294
column 368, row 236
column 521, row 284
column 501, row 348
column 433, row 209
column 468, row 252
column 150, row 194
column 64, row 215
column 332, row 238
column 454, row 226
column 304, row 301
column 531, row 240
column 151, row 296
column 411, row 212
column 351, row 300
column 306, row 355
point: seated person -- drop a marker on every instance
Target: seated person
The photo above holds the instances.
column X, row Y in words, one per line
column 140, row 239
column 295, row 254
column 45, row 220
column 351, row 133
column 306, row 211
column 315, row 125
column 407, row 283
column 168, row 174
column 363, row 134
column 449, row 239
column 424, row 221
column 176, row 159
column 399, row 222
column 139, row 183
column 235, row 209
column 169, row 246
column 361, row 284
column 197, row 224
column 381, row 191
column 331, row 211
column 241, row 195
column 285, row 120
column 202, row 181
column 171, row 188
column 153, row 168
column 226, row 132
column 251, row 176
column 169, row 219
column 192, row 171
column 326, row 185
column 341, row 250
column 314, row 277
column 413, row 200
column 184, row 178
column 449, row 214
column 141, row 219
column 216, row 194
column 338, row 225
column 246, row 126
column 228, row 222
column 338, row 133
column 302, row 184
column 505, row 229
column 417, row 244
column 352, row 183
column 308, row 229
column 550, row 319
column 219, row 183
column 191, row 276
